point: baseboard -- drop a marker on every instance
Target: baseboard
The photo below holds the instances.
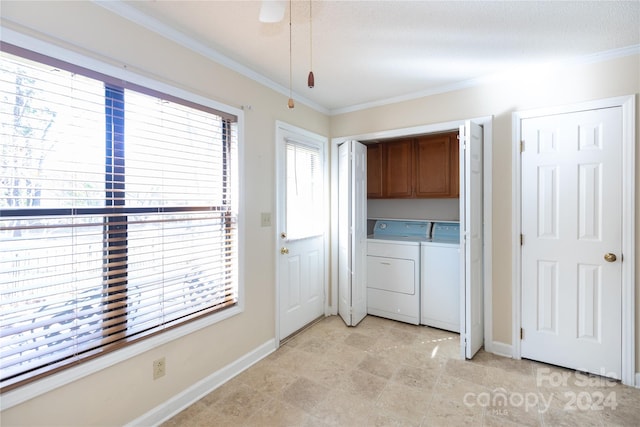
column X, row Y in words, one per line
column 181, row 401
column 501, row 349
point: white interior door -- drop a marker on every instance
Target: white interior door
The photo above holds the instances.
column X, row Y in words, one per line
column 572, row 240
column 471, row 241
column 302, row 230
column 352, row 232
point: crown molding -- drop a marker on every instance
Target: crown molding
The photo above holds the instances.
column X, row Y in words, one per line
column 581, row 60
column 123, row 10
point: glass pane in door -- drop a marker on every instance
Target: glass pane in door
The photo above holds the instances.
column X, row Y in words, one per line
column 305, row 191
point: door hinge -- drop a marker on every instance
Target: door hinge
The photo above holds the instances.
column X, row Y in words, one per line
column 521, row 239
column 521, row 146
column 521, row 333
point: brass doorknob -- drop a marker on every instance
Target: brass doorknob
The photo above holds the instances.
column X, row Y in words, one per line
column 609, row 257
column 284, row 251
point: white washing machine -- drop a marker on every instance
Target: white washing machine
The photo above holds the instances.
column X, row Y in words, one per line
column 393, row 269
column 440, row 277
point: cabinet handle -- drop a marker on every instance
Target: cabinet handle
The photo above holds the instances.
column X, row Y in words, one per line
column 385, row 263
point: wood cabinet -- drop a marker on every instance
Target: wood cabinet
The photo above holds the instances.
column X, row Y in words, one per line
column 417, row 167
column 437, row 169
column 374, row 171
column 398, row 169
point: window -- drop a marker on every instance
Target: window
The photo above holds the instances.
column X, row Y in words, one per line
column 304, row 198
column 118, row 214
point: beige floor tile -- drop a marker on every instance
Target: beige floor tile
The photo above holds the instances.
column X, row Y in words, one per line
column 513, row 381
column 379, row 366
column 215, row 419
column 388, row 347
column 598, row 396
column 373, row 325
column 404, row 402
column 445, row 348
column 563, row 418
column 620, row 406
column 344, row 409
column 363, row 384
column 406, row 326
column 277, row 414
column 419, row 377
column 466, row 370
column 402, row 336
column 452, row 412
column 383, row 419
column 315, row 345
column 327, row 372
column 626, row 417
column 296, row 361
column 239, row 404
column 312, row 421
column 345, row 355
column 304, row 394
column 331, row 327
column 490, row 420
column 268, row 379
column 278, row 354
column 419, row 354
column 360, row 341
column 522, row 366
column 295, row 340
column 459, row 390
column 517, row 408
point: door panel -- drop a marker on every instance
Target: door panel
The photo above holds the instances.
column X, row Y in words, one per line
column 344, row 232
column 293, row 292
column 471, row 244
column 359, row 272
column 301, row 230
column 352, row 232
column 571, row 218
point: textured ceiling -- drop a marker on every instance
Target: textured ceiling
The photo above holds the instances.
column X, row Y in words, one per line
column 368, row 52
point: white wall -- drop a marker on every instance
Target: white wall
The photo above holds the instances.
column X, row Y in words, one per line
column 443, row 209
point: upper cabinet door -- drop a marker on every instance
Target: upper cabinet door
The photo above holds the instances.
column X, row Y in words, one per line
column 437, row 166
column 374, row 171
column 398, row 176
column 433, row 166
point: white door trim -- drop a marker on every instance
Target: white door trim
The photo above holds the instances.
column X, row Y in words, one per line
column 282, row 127
column 487, row 125
column 627, row 103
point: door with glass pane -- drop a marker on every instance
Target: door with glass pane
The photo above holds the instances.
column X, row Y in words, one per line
column 301, row 228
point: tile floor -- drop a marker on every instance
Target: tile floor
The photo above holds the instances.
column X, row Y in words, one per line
column 387, row 373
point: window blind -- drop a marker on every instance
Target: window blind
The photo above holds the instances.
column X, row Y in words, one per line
column 118, row 215
column 304, row 197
